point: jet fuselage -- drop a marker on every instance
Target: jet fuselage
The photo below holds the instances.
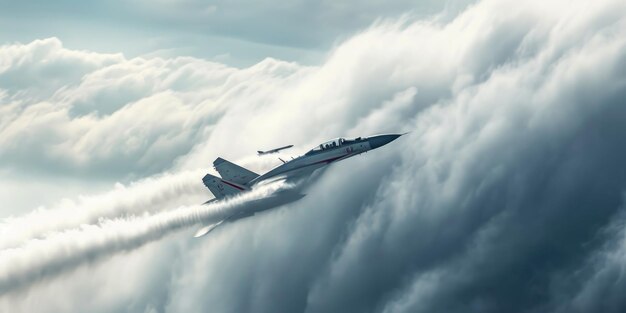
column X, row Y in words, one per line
column 325, row 154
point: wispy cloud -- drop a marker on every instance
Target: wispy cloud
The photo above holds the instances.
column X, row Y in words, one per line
column 66, row 249
column 507, row 188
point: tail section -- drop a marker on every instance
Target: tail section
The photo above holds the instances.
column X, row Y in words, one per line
column 222, row 188
column 233, row 172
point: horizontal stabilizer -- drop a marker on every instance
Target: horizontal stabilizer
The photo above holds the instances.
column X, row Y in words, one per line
column 233, row 172
column 207, row 229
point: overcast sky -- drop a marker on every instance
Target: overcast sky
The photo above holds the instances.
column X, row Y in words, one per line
column 238, row 33
column 507, row 195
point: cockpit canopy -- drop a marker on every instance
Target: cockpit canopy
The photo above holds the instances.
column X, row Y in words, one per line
column 332, row 144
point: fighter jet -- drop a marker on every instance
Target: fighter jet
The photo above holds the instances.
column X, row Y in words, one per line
column 273, row 150
column 236, row 180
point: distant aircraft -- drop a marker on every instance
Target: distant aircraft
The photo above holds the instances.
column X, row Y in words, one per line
column 236, row 180
column 273, row 150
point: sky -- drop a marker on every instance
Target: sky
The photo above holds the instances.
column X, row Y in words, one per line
column 507, row 194
column 237, row 33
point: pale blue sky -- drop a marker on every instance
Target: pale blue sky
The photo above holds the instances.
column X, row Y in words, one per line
column 238, row 33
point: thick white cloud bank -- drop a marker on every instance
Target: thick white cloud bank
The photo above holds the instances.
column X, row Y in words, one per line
column 505, row 196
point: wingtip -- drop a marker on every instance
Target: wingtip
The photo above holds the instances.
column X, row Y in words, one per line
column 202, row 231
column 218, row 161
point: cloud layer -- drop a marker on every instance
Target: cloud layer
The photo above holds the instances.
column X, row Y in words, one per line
column 63, row 250
column 507, row 195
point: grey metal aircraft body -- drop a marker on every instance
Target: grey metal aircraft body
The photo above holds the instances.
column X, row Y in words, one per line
column 236, row 180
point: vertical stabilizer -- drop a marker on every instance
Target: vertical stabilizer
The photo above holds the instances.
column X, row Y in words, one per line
column 222, row 188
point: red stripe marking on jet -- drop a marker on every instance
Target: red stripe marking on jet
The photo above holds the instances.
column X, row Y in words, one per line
column 301, row 167
column 232, row 185
column 329, row 160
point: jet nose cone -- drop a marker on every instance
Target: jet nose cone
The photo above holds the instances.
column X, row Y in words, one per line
column 381, row 140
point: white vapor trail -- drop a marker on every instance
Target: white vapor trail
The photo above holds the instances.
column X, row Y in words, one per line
column 149, row 195
column 61, row 251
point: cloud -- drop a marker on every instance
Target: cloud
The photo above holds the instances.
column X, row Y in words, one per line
column 118, row 118
column 36, row 70
column 59, row 251
column 494, row 202
column 150, row 195
column 598, row 283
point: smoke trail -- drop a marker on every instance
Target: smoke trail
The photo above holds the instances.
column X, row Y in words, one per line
column 42, row 258
column 149, row 195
